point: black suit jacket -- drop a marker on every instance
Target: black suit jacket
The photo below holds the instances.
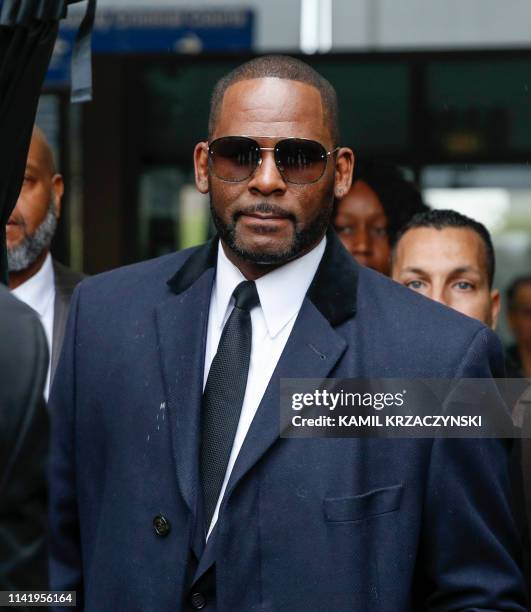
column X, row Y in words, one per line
column 23, row 446
column 65, row 283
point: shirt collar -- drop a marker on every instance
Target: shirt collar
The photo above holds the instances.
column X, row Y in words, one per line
column 38, row 290
column 281, row 291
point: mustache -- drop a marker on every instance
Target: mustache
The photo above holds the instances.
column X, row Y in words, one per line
column 265, row 208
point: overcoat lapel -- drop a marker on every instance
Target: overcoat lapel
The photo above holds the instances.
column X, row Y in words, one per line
column 65, row 283
column 312, row 351
column 181, row 322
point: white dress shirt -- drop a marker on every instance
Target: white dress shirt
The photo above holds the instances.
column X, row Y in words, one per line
column 38, row 292
column 281, row 294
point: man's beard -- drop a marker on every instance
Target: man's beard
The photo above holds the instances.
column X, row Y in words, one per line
column 23, row 255
column 303, row 239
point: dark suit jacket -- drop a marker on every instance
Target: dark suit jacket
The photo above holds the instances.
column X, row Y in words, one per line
column 23, row 446
column 65, row 283
column 316, row 524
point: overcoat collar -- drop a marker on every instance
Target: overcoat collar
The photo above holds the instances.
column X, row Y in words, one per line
column 333, row 290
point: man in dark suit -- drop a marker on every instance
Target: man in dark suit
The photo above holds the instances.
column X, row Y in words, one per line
column 34, row 277
column 449, row 257
column 170, row 486
column 23, row 447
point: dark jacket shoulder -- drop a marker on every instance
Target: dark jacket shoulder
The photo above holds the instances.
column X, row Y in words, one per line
column 412, row 327
column 65, row 278
column 146, row 279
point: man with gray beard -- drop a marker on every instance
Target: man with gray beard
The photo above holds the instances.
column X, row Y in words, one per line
column 34, row 277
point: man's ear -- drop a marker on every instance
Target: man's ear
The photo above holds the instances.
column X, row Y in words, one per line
column 495, row 304
column 201, row 166
column 343, row 172
column 58, row 189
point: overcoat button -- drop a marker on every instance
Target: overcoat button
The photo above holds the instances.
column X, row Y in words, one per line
column 198, row 601
column 162, row 525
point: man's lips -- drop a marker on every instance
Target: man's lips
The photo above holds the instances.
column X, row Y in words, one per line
column 265, row 221
column 266, row 217
column 15, row 219
column 12, row 226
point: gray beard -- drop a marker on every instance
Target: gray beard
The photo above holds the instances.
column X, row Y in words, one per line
column 22, row 256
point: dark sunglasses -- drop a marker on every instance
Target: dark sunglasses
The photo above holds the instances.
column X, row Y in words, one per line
column 300, row 161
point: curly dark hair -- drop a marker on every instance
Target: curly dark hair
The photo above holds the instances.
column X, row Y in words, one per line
column 400, row 198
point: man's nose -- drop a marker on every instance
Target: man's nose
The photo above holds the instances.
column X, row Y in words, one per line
column 437, row 294
column 267, row 179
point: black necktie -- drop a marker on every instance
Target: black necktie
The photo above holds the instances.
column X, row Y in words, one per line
column 224, row 393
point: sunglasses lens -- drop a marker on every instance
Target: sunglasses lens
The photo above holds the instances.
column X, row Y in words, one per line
column 300, row 161
column 233, row 158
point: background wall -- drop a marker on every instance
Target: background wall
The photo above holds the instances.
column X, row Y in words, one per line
column 459, row 122
column 380, row 24
column 457, row 23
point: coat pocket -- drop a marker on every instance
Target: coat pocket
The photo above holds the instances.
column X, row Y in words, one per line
column 359, row 507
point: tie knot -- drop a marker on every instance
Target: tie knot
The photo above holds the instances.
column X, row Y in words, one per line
column 246, row 296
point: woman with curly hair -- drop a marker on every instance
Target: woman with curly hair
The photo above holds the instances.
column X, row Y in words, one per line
column 370, row 215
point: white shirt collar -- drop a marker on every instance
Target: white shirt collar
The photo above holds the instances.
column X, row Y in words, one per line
column 281, row 291
column 38, row 290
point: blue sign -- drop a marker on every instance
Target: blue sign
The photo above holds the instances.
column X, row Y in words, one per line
column 155, row 31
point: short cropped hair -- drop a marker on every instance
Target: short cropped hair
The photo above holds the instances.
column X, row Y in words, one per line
column 280, row 67
column 442, row 219
column 513, row 288
column 400, row 198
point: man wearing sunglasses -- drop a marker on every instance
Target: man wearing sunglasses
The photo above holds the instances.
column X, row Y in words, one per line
column 171, row 488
